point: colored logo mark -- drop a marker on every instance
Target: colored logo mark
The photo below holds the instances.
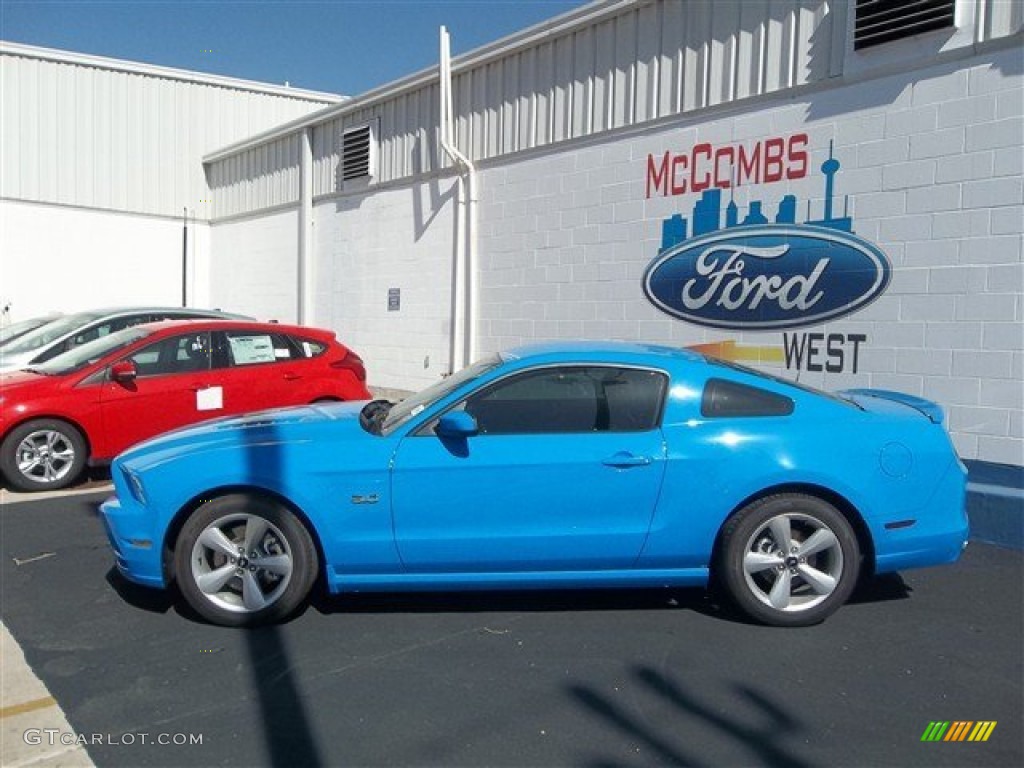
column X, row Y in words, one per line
column 751, row 273
column 730, row 350
column 959, row 730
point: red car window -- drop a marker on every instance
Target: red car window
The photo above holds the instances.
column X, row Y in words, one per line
column 178, row 354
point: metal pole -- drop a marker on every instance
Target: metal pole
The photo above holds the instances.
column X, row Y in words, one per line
column 184, row 258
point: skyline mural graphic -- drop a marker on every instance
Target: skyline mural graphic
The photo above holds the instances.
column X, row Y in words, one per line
column 707, row 212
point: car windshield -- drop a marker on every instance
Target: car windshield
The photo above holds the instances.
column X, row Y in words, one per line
column 401, row 412
column 81, row 356
column 44, row 334
column 14, row 330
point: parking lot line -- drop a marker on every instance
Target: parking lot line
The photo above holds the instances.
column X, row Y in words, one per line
column 13, row 497
column 28, row 706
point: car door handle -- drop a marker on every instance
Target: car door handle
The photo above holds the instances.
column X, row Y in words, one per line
column 626, row 460
column 292, row 376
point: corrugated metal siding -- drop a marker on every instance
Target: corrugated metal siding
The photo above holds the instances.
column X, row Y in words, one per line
column 646, row 61
column 269, row 177
column 87, row 136
column 649, row 61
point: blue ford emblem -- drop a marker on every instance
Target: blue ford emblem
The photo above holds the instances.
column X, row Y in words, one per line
column 767, row 277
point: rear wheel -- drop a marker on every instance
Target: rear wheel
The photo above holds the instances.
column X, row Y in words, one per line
column 244, row 560
column 43, row 455
column 789, row 560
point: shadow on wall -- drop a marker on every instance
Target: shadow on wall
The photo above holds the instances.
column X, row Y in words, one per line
column 885, row 90
column 424, row 214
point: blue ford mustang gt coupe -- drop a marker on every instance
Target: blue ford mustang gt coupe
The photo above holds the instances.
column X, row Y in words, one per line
column 551, row 466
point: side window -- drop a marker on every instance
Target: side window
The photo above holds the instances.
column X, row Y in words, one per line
column 243, row 348
column 179, row 354
column 91, row 333
column 723, row 398
column 308, row 347
column 576, row 399
column 100, row 330
column 52, row 352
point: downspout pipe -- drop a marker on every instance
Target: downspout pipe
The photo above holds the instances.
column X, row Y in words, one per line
column 465, row 310
column 184, row 258
column 305, row 286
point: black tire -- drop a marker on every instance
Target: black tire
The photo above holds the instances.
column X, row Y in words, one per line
column 43, row 455
column 246, row 591
column 797, row 587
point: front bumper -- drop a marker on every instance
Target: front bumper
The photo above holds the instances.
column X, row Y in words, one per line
column 137, row 555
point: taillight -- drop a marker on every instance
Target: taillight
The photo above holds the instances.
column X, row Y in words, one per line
column 352, row 362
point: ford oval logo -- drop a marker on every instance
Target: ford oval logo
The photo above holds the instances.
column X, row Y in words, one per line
column 767, row 277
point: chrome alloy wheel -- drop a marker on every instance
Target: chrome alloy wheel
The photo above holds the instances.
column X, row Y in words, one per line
column 45, row 456
column 793, row 562
column 242, row 563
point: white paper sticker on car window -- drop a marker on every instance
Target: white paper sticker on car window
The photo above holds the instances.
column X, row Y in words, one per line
column 416, row 411
column 246, row 350
column 210, row 399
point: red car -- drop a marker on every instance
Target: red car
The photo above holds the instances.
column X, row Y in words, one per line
column 91, row 403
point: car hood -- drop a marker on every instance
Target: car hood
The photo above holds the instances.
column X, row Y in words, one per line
column 261, row 428
column 14, row 361
column 15, row 381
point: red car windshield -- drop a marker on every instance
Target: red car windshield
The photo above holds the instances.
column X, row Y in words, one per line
column 85, row 355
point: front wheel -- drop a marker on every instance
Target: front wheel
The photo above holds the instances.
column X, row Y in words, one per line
column 244, row 560
column 43, row 455
column 789, row 560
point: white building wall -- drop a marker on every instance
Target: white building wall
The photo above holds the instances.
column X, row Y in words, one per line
column 254, row 269
column 102, row 133
column 927, row 131
column 57, row 258
column 99, row 161
column 368, row 245
column 365, row 246
column 933, row 166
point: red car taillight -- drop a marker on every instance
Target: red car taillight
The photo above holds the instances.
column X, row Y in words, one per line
column 352, row 362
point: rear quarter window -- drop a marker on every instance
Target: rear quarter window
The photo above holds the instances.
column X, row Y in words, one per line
column 723, row 398
column 308, row 347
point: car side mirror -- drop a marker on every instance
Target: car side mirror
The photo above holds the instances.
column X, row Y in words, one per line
column 456, row 424
column 123, row 371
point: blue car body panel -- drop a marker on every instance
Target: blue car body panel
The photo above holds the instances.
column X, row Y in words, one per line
column 411, row 510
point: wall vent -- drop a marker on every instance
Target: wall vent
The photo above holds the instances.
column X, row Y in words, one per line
column 883, row 21
column 357, row 153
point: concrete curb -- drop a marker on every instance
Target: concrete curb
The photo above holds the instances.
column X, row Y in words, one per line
column 33, row 729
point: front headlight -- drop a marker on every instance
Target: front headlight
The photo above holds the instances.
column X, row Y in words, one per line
column 134, row 483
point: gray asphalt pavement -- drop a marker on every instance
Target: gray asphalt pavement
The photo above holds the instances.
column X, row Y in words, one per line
column 567, row 679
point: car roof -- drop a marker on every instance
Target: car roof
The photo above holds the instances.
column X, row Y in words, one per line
column 117, row 311
column 211, row 324
column 601, row 351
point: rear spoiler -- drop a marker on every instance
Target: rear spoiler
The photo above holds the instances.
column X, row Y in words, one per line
column 932, row 410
